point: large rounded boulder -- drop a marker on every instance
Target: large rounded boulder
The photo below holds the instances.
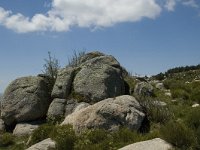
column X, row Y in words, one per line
column 99, row 78
column 25, row 99
column 109, row 114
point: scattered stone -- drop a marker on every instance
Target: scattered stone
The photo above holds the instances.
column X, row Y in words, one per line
column 195, row 105
column 159, row 103
column 109, row 114
column 25, row 99
column 46, row 144
column 23, row 129
column 154, row 144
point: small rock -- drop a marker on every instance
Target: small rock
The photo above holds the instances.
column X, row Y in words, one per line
column 195, row 105
column 23, row 129
column 154, row 144
column 46, row 144
column 159, row 103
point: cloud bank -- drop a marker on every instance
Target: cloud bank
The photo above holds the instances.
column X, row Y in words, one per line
column 64, row 14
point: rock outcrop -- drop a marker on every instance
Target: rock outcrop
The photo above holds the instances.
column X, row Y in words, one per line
column 46, row 144
column 154, row 144
column 25, row 99
column 109, row 114
column 100, row 77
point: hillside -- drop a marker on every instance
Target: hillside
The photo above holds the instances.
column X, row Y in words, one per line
column 93, row 103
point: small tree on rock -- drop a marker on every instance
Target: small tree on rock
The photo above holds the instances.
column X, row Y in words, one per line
column 51, row 67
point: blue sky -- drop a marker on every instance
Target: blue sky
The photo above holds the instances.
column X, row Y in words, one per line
column 146, row 36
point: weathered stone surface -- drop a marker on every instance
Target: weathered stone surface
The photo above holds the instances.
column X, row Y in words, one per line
column 23, row 129
column 154, row 144
column 97, row 82
column 143, row 89
column 98, row 61
column 72, row 106
column 2, row 126
column 46, row 144
column 56, row 108
column 63, row 83
column 109, row 114
column 69, row 108
column 80, row 106
column 25, row 99
column 90, row 56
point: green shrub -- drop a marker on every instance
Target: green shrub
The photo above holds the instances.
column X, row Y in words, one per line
column 179, row 135
column 193, row 118
column 154, row 112
column 64, row 136
column 124, row 137
column 41, row 133
column 180, row 93
column 6, row 139
column 95, row 139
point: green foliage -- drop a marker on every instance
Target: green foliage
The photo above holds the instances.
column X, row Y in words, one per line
column 131, row 81
column 179, row 135
column 6, row 139
column 180, row 93
column 95, row 139
column 193, row 118
column 51, row 67
column 125, row 136
column 78, row 97
column 154, row 112
column 64, row 136
column 41, row 133
column 55, row 119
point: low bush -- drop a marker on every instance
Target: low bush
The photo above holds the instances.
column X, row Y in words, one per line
column 193, row 118
column 154, row 112
column 41, row 133
column 95, row 139
column 64, row 136
column 6, row 139
column 125, row 136
column 178, row 135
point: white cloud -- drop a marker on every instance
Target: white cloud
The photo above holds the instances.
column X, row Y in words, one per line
column 83, row 13
column 191, row 3
column 170, row 5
